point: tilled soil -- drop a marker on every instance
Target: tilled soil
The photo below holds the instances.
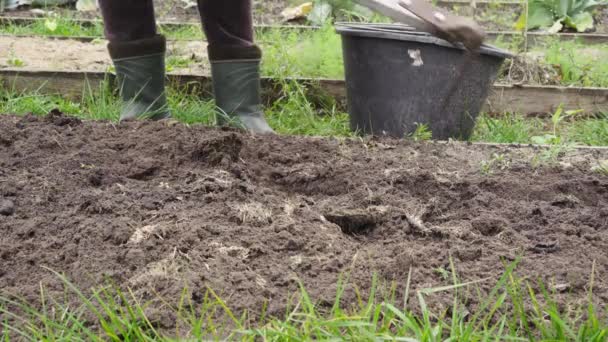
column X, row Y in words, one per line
column 36, row 54
column 159, row 208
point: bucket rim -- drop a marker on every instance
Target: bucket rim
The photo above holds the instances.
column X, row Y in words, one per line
column 407, row 33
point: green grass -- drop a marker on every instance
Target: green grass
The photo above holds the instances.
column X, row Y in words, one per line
column 513, row 128
column 590, row 131
column 514, row 309
column 185, row 32
column 54, row 26
column 302, row 54
column 173, row 62
column 294, row 113
column 67, row 27
column 508, row 128
column 579, row 64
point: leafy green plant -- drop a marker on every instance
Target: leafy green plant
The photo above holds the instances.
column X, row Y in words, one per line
column 326, row 10
column 550, row 156
column 15, row 62
column 321, row 12
column 498, row 161
column 422, row 133
column 442, row 272
column 51, row 24
column 555, row 15
column 557, row 118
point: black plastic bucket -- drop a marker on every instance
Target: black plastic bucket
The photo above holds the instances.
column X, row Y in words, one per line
column 397, row 78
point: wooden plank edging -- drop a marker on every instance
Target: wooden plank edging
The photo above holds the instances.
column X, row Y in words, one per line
column 533, row 38
column 524, row 146
column 525, row 99
column 536, row 38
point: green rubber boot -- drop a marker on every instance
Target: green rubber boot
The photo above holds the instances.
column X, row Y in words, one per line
column 236, row 88
column 140, row 70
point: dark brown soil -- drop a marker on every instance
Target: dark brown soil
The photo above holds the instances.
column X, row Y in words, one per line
column 157, row 207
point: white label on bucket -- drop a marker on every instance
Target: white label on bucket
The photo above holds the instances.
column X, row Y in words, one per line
column 439, row 16
column 416, row 57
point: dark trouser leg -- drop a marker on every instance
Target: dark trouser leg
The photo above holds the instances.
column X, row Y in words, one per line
column 128, row 20
column 235, row 63
column 227, row 22
column 138, row 54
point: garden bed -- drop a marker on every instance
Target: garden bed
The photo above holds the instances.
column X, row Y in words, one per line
column 164, row 209
column 42, row 53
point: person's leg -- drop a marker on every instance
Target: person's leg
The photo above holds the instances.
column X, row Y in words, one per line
column 227, row 22
column 235, row 62
column 138, row 53
column 128, row 20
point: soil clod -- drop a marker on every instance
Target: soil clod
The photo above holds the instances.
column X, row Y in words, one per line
column 564, row 287
column 96, row 178
column 419, row 227
column 144, row 170
column 6, row 139
column 546, row 247
column 489, row 226
column 468, row 254
column 7, row 207
column 57, row 118
column 569, row 201
column 353, row 222
column 220, row 150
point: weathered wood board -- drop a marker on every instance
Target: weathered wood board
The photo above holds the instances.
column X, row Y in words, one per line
column 529, row 100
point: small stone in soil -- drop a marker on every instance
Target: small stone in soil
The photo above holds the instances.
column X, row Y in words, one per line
column 561, row 288
column 469, row 254
column 546, row 247
column 7, row 207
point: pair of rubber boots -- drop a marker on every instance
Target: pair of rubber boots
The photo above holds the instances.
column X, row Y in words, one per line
column 140, row 70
